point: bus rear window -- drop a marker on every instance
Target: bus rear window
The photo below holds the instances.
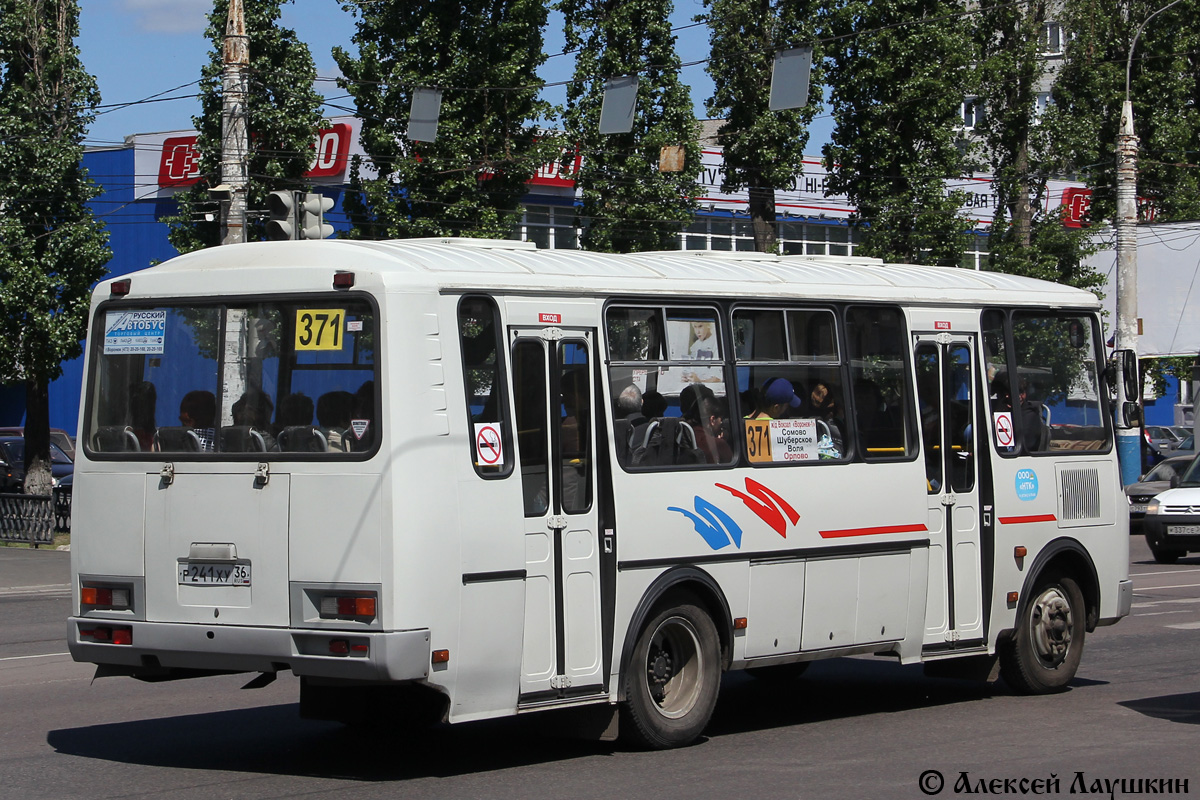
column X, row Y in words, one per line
column 197, row 380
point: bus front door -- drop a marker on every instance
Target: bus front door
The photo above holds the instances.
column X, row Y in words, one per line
column 553, row 390
column 945, row 389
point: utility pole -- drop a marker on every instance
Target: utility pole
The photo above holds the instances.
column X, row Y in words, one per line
column 1129, row 431
column 1129, row 437
column 235, row 139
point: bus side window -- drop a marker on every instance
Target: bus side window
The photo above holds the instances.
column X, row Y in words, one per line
column 883, row 404
column 481, row 336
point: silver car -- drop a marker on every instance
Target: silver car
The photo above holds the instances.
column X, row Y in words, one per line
column 1156, row 480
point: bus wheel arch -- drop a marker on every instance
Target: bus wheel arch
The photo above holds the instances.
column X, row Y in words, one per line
column 678, row 643
column 1058, row 606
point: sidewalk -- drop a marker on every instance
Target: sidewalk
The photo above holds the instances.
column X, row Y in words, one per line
column 33, row 571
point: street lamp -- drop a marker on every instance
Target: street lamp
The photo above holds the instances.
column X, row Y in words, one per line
column 1129, row 436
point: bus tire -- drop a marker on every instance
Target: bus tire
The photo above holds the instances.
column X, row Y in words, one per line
column 1044, row 651
column 672, row 679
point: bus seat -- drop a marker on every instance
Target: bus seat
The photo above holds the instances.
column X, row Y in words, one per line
column 302, row 439
column 666, row 441
column 177, row 438
column 241, row 439
column 115, row 439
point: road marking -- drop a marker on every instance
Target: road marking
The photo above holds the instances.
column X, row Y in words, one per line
column 1163, row 572
column 48, row 588
column 1177, row 586
column 1185, row 626
column 43, row 655
column 1170, row 602
column 1160, row 613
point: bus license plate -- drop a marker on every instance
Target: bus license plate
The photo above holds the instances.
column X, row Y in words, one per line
column 1183, row 530
column 1137, row 509
column 195, row 573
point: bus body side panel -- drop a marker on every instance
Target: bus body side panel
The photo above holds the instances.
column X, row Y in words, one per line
column 821, row 586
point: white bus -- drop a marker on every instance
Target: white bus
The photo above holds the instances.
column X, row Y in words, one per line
column 472, row 479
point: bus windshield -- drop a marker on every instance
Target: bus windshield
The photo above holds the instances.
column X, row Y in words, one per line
column 200, row 379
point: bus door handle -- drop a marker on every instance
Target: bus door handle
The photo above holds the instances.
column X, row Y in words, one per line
column 949, row 499
column 167, row 474
column 556, row 522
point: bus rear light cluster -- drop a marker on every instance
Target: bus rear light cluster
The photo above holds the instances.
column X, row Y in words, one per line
column 106, row 635
column 112, row 598
column 343, row 606
column 345, row 647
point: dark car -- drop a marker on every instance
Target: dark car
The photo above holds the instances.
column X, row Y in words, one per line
column 12, row 464
column 57, row 436
column 1156, row 480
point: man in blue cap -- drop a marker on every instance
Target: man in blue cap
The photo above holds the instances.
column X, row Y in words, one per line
column 778, row 398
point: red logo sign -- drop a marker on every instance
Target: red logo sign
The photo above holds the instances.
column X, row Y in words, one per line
column 551, row 319
column 941, row 326
column 180, row 162
column 554, row 173
column 332, row 148
column 1075, row 205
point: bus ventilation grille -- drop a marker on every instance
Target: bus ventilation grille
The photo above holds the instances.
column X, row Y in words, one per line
column 1080, row 494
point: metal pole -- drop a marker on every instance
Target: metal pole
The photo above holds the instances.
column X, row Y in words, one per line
column 1129, row 439
column 235, row 140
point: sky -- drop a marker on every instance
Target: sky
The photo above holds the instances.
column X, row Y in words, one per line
column 144, row 52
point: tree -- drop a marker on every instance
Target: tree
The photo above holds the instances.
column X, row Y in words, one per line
column 51, row 247
column 898, row 70
column 1024, row 240
column 284, row 115
column 469, row 181
column 1165, row 77
column 763, row 149
column 627, row 203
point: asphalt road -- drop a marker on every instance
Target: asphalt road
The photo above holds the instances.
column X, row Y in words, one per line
column 851, row 728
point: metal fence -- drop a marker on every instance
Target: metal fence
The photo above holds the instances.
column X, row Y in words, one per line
column 34, row 519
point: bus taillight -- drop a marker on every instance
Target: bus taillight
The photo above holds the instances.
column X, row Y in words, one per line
column 335, row 606
column 114, row 598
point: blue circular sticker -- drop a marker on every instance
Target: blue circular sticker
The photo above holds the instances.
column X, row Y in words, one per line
column 1027, row 484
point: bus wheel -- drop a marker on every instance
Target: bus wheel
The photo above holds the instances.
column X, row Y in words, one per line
column 1043, row 653
column 672, row 679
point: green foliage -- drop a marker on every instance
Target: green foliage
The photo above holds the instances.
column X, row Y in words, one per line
column 898, row 70
column 469, row 182
column 51, row 247
column 284, row 116
column 627, row 204
column 1165, row 78
column 763, row 149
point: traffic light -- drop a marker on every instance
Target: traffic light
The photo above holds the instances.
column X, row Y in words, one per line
column 282, row 224
column 312, row 216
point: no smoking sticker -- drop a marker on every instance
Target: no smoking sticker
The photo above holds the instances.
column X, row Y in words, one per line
column 489, row 444
column 1002, row 420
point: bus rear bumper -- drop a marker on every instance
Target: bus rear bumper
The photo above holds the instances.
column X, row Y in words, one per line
column 155, row 649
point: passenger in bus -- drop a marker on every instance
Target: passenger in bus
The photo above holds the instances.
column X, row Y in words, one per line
column 294, row 409
column 825, row 407
column 198, row 411
column 253, row 409
column 333, row 415
column 654, row 405
column 1031, row 426
column 629, row 403
column 778, row 399
column 701, row 409
column 143, row 398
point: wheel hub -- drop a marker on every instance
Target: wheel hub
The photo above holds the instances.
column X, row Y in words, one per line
column 1050, row 627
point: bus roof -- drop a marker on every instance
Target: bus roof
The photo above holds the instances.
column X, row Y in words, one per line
column 483, row 264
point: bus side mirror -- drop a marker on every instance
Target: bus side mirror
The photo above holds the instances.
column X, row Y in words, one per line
column 1130, row 374
column 1131, row 414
